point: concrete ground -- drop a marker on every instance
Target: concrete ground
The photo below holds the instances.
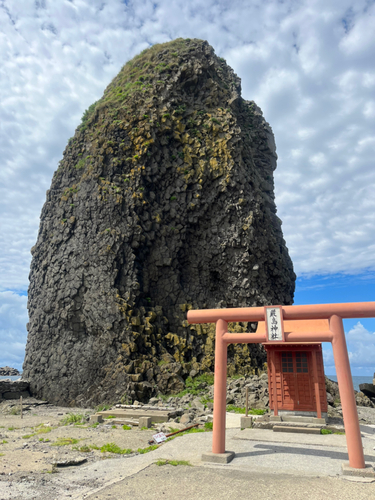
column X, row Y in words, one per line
column 267, row 465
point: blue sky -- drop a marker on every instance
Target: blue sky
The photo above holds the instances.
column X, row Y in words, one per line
column 307, row 63
column 338, row 288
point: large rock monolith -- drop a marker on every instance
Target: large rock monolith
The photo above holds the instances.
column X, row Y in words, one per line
column 163, row 202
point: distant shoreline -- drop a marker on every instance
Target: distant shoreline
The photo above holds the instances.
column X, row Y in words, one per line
column 357, row 379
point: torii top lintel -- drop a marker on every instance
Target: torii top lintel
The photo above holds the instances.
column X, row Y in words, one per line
column 311, row 311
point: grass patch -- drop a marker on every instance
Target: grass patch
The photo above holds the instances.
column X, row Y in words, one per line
column 4, row 441
column 65, row 441
column 72, row 418
column 113, row 448
column 173, row 462
column 103, row 407
column 41, row 430
column 197, row 384
column 206, row 400
column 208, row 425
column 329, row 431
column 109, row 416
column 252, row 411
column 2, row 454
column 194, row 430
column 85, row 448
column 126, row 427
column 149, row 448
column 44, row 429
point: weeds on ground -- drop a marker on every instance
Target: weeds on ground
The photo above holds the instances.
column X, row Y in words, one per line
column 252, row 411
column 172, row 462
column 103, row 407
column 72, row 418
column 4, row 441
column 206, row 400
column 194, row 430
column 84, row 449
column 164, row 397
column 329, row 431
column 65, row 441
column 126, row 427
column 149, row 448
column 113, row 448
column 193, row 385
column 41, row 430
column 208, row 426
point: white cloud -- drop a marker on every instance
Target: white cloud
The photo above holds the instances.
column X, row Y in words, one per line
column 13, row 319
column 361, row 347
column 361, row 351
column 294, row 60
column 307, row 64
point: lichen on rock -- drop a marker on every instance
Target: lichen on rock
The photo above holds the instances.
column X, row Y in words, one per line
column 163, row 202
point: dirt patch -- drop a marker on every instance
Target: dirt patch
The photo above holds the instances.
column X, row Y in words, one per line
column 40, row 439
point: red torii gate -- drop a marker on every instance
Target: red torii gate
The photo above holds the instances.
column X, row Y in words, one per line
column 334, row 313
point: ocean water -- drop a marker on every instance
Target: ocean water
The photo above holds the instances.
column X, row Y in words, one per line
column 14, row 377
column 356, row 380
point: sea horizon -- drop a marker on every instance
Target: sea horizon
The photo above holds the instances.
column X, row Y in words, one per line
column 357, row 379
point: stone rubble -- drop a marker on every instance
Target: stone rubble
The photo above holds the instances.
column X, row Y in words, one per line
column 7, row 371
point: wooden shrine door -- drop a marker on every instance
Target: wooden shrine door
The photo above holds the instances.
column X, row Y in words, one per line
column 296, row 381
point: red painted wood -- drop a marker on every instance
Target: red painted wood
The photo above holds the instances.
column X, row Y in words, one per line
column 294, row 387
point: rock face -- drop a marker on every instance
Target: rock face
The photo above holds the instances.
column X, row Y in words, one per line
column 163, row 202
column 368, row 390
column 13, row 389
column 7, row 371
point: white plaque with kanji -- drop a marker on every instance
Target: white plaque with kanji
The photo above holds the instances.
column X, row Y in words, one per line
column 159, row 437
column 274, row 322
